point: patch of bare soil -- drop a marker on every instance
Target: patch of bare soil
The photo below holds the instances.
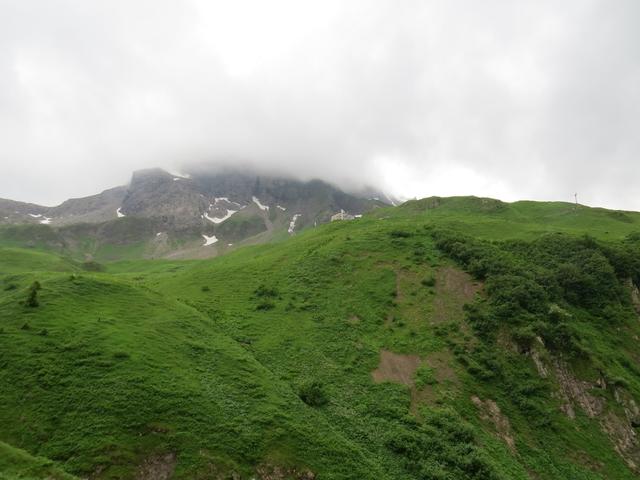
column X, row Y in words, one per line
column 396, row 367
column 399, row 368
column 454, row 289
column 353, row 320
column 490, row 412
column 274, row 472
column 157, row 467
column 441, row 363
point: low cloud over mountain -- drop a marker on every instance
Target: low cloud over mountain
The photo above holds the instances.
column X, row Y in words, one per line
column 504, row 99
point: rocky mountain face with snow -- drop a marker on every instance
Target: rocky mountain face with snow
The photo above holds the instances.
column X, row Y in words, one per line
column 198, row 214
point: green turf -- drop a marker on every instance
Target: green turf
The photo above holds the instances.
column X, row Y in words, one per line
column 261, row 361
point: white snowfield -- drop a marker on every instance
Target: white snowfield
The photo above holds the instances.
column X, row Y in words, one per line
column 281, row 208
column 158, row 234
column 35, row 215
column 260, row 205
column 209, row 240
column 217, row 220
column 292, row 223
column 46, row 221
column 178, row 175
column 119, row 213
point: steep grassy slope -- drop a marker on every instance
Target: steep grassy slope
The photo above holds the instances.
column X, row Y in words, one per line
column 445, row 339
column 16, row 464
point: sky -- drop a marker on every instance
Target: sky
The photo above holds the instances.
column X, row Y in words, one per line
column 509, row 99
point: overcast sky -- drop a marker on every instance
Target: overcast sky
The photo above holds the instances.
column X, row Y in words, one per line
column 509, row 99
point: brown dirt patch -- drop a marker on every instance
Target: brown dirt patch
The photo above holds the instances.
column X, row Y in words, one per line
column 454, row 289
column 399, row 368
column 353, row 320
column 396, row 367
column 490, row 412
column 157, row 467
column 442, row 365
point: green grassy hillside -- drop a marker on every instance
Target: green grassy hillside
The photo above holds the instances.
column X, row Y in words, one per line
column 453, row 338
column 16, row 464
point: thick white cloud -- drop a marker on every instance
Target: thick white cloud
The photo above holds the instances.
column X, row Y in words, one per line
column 527, row 99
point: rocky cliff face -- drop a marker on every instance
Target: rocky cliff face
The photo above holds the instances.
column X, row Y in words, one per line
column 158, row 194
column 202, row 210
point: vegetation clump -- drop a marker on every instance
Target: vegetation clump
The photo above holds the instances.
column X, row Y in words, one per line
column 313, row 394
column 92, row 266
column 429, row 281
column 32, row 296
column 424, row 376
column 442, row 447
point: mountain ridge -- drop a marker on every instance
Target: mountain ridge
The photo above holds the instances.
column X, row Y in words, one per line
column 180, row 215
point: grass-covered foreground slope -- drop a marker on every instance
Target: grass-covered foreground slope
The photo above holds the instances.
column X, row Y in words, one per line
column 16, row 464
column 445, row 339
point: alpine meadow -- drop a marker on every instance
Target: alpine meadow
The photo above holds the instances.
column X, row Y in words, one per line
column 454, row 338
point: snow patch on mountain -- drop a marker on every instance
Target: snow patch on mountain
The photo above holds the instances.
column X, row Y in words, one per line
column 217, row 220
column 292, row 223
column 260, row 205
column 119, row 213
column 209, row 240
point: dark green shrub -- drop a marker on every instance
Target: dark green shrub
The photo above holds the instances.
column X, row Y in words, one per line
column 266, row 305
column 313, row 394
column 264, row 291
column 424, row 376
column 429, row 281
column 92, row 266
column 442, row 447
column 399, row 234
column 32, row 297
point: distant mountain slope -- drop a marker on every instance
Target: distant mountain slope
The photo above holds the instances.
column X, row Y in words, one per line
column 160, row 214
